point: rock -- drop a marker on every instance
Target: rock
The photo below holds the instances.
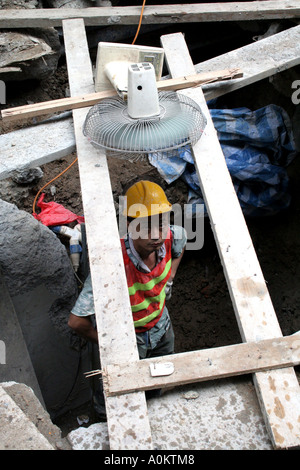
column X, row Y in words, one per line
column 28, row 54
column 26, row 402
column 28, row 176
column 31, row 255
column 21, row 4
column 95, row 437
column 190, row 395
column 13, row 193
column 72, row 3
column 17, row 432
column 43, row 289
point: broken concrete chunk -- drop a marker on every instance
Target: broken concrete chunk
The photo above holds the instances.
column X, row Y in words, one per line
column 48, row 263
column 72, row 3
column 28, row 175
column 28, row 54
column 191, row 395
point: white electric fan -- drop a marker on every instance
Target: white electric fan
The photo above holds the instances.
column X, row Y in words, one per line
column 141, row 120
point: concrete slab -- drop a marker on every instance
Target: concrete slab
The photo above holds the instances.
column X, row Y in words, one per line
column 42, row 287
column 95, row 437
column 17, row 365
column 17, row 432
column 36, row 145
column 58, row 368
column 219, row 415
column 258, row 60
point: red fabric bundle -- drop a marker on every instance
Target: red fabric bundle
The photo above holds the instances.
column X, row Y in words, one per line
column 53, row 213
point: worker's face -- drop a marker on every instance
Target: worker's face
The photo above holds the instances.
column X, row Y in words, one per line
column 149, row 233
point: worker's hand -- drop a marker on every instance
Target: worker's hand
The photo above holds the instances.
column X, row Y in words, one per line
column 168, row 290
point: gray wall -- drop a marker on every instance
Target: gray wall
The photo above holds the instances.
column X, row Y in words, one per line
column 42, row 287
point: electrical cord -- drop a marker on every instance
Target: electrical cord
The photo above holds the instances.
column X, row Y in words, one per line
column 60, row 406
column 140, row 22
column 53, row 179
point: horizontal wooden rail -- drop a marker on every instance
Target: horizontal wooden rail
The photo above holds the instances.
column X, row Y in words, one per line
column 53, row 106
column 153, row 14
column 202, row 365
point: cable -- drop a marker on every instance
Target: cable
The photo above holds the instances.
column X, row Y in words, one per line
column 140, row 22
column 35, row 199
column 60, row 406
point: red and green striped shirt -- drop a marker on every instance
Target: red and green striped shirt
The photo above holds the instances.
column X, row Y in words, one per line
column 147, row 290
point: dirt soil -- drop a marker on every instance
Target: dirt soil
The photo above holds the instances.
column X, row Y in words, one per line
column 201, row 308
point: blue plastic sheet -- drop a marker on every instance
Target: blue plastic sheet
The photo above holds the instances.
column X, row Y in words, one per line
column 257, row 145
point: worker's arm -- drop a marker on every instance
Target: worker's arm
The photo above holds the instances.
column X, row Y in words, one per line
column 83, row 327
column 174, row 266
column 178, row 248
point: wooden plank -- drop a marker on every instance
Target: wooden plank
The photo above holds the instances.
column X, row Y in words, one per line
column 158, row 14
column 251, row 300
column 258, row 60
column 117, row 340
column 36, row 145
column 206, row 364
column 53, row 106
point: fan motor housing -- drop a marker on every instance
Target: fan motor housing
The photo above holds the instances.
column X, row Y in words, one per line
column 142, row 91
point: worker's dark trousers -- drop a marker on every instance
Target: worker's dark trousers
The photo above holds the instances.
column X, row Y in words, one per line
column 163, row 348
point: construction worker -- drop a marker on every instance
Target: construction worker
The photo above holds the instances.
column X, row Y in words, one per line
column 152, row 250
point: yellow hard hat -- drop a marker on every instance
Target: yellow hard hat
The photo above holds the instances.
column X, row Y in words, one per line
column 145, row 199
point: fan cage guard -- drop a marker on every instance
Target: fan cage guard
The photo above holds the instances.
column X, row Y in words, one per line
column 180, row 124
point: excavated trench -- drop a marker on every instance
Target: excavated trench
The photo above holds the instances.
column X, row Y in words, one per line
column 200, row 307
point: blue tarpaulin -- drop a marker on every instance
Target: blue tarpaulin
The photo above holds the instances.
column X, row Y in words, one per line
column 257, row 145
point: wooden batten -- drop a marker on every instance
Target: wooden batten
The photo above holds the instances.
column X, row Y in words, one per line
column 203, row 365
column 63, row 104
